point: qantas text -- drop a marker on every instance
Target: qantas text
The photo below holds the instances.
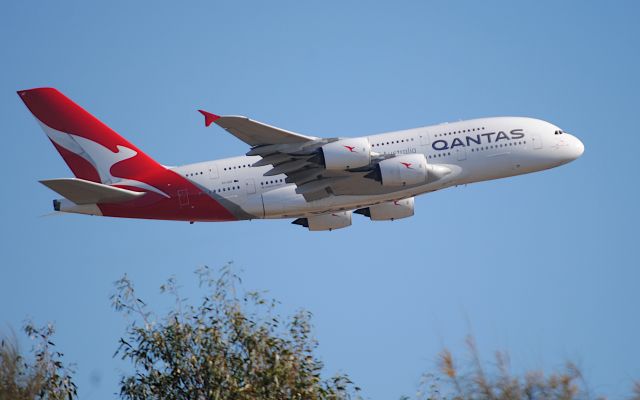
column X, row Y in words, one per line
column 481, row 138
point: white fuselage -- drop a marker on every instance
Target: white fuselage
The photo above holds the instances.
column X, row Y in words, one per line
column 474, row 150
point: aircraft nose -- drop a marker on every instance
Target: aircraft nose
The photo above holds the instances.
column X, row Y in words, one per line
column 574, row 150
column 579, row 147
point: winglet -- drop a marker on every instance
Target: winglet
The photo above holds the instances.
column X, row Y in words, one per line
column 208, row 117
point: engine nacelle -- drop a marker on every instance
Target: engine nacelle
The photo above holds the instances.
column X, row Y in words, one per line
column 389, row 211
column 410, row 169
column 326, row 222
column 346, row 153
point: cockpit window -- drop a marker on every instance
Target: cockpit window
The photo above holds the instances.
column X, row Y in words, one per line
column 558, row 132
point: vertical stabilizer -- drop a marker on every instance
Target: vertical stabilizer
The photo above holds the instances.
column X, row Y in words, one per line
column 91, row 149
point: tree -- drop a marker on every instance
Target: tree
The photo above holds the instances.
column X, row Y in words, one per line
column 231, row 345
column 44, row 378
column 474, row 381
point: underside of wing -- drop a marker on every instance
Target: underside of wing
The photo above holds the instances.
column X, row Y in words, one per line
column 295, row 155
column 304, row 165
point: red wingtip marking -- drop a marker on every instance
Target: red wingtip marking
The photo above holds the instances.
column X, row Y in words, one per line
column 208, row 117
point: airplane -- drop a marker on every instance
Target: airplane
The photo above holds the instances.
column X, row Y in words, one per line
column 318, row 182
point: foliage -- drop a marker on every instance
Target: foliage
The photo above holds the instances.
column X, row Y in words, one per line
column 474, row 381
column 233, row 345
column 45, row 378
column 230, row 345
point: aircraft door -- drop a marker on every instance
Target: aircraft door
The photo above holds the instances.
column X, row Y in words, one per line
column 252, row 202
column 461, row 153
column 250, row 186
column 537, row 142
column 213, row 171
column 424, row 138
column 183, row 197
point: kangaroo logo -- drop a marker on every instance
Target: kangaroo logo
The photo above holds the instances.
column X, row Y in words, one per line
column 100, row 157
column 351, row 149
column 406, row 164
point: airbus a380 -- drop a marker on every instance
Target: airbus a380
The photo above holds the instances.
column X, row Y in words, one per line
column 317, row 182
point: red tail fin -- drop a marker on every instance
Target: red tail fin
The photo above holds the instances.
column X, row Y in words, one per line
column 90, row 148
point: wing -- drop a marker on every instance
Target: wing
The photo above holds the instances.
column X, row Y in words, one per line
column 293, row 154
column 303, row 159
column 252, row 132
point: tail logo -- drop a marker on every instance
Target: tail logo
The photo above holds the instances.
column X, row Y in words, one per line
column 102, row 158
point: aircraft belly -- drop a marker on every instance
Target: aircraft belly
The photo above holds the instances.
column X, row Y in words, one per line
column 360, row 187
column 252, row 204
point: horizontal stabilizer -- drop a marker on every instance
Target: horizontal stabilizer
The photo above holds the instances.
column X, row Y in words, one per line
column 81, row 191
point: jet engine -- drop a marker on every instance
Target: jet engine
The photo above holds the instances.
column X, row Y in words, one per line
column 326, row 222
column 410, row 169
column 346, row 154
column 389, row 211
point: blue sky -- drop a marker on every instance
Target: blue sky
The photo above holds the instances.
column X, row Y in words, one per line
column 544, row 266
